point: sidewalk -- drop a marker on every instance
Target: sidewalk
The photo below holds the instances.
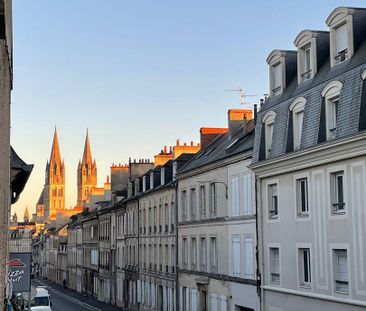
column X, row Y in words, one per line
column 84, row 299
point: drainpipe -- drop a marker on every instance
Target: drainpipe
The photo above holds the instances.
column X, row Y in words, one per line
column 176, row 247
column 259, row 248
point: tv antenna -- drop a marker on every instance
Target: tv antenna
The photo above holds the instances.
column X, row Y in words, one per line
column 243, row 95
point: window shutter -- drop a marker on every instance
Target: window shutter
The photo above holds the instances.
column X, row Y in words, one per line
column 223, row 303
column 322, row 135
column 193, row 299
column 213, row 302
column 138, row 291
column 247, row 185
column 181, row 299
column 341, row 38
column 342, row 266
column 249, row 257
column 165, row 298
column 235, row 196
column 236, row 255
column 277, row 76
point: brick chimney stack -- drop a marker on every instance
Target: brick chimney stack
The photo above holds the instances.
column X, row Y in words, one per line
column 236, row 119
column 208, row 134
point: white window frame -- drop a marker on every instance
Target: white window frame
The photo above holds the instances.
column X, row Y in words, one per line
column 300, row 248
column 306, row 40
column 339, row 17
column 275, row 217
column 297, row 107
column 337, row 208
column 236, row 257
column 331, row 93
column 268, row 121
column 235, row 195
column 249, row 257
column 247, row 187
column 333, row 248
column 270, row 268
column 301, row 215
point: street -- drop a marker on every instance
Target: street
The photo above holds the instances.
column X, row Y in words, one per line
column 66, row 299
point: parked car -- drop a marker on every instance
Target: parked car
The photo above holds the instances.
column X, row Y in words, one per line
column 40, row 302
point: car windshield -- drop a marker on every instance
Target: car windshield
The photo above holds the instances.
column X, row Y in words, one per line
column 40, row 301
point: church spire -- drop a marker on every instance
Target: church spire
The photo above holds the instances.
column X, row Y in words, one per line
column 87, row 156
column 55, row 151
column 26, row 215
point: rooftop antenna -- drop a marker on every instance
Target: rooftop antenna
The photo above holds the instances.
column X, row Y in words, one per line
column 243, row 95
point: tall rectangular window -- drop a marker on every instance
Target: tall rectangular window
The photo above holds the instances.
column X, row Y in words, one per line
column 213, row 199
column 185, row 253
column 277, row 79
column 341, row 44
column 273, row 201
column 341, row 270
column 306, row 74
column 268, row 138
column 236, row 258
column 184, row 205
column 298, row 121
column 249, row 258
column 274, row 262
column 332, row 117
column 302, row 204
column 193, row 254
column 337, row 192
column 213, row 255
column 235, row 196
column 203, row 254
column 304, row 267
column 184, row 299
column 203, row 202
column 247, row 193
column 193, row 203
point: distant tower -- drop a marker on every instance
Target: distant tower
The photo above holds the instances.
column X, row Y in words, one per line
column 26, row 215
column 54, row 189
column 15, row 219
column 87, row 174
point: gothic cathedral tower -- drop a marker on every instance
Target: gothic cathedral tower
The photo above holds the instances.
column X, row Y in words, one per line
column 87, row 174
column 54, row 189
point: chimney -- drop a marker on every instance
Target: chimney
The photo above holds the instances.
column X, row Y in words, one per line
column 255, row 114
column 236, row 118
column 209, row 134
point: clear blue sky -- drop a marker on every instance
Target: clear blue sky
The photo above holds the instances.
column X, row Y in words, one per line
column 138, row 74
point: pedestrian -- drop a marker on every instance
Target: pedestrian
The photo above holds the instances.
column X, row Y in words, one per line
column 64, row 283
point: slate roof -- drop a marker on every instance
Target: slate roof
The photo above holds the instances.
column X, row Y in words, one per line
column 222, row 147
column 348, row 73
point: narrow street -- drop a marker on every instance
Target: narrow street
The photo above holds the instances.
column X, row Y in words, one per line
column 66, row 299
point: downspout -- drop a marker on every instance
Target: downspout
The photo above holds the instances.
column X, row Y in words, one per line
column 260, row 265
column 176, row 247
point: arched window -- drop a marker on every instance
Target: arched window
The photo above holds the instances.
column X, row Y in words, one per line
column 297, row 117
column 268, row 122
column 330, row 94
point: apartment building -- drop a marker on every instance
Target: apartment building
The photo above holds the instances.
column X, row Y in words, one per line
column 157, row 283
column 309, row 159
column 74, row 253
column 61, row 260
column 90, row 238
column 216, row 223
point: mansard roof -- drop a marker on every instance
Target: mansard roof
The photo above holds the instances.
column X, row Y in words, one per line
column 350, row 103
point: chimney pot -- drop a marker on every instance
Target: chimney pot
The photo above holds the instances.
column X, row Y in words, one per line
column 178, row 142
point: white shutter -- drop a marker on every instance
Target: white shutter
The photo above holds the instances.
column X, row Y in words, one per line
column 213, row 302
column 180, row 298
column 193, row 299
column 277, row 76
column 249, row 257
column 247, row 187
column 223, row 303
column 138, row 291
column 236, row 255
column 234, row 196
column 165, row 299
column 341, row 38
column 342, row 266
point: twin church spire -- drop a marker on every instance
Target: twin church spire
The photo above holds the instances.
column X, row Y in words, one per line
column 54, row 189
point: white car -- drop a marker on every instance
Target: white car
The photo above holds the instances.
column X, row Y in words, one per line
column 41, row 301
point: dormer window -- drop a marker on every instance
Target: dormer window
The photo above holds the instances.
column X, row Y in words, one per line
column 151, row 180
column 268, row 121
column 340, row 22
column 276, row 62
column 277, row 79
column 306, row 55
column 297, row 109
column 162, row 176
column 144, row 184
column 331, row 94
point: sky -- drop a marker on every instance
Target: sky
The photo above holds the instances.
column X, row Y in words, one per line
column 138, row 74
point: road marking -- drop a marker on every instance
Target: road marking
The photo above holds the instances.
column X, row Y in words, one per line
column 74, row 300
